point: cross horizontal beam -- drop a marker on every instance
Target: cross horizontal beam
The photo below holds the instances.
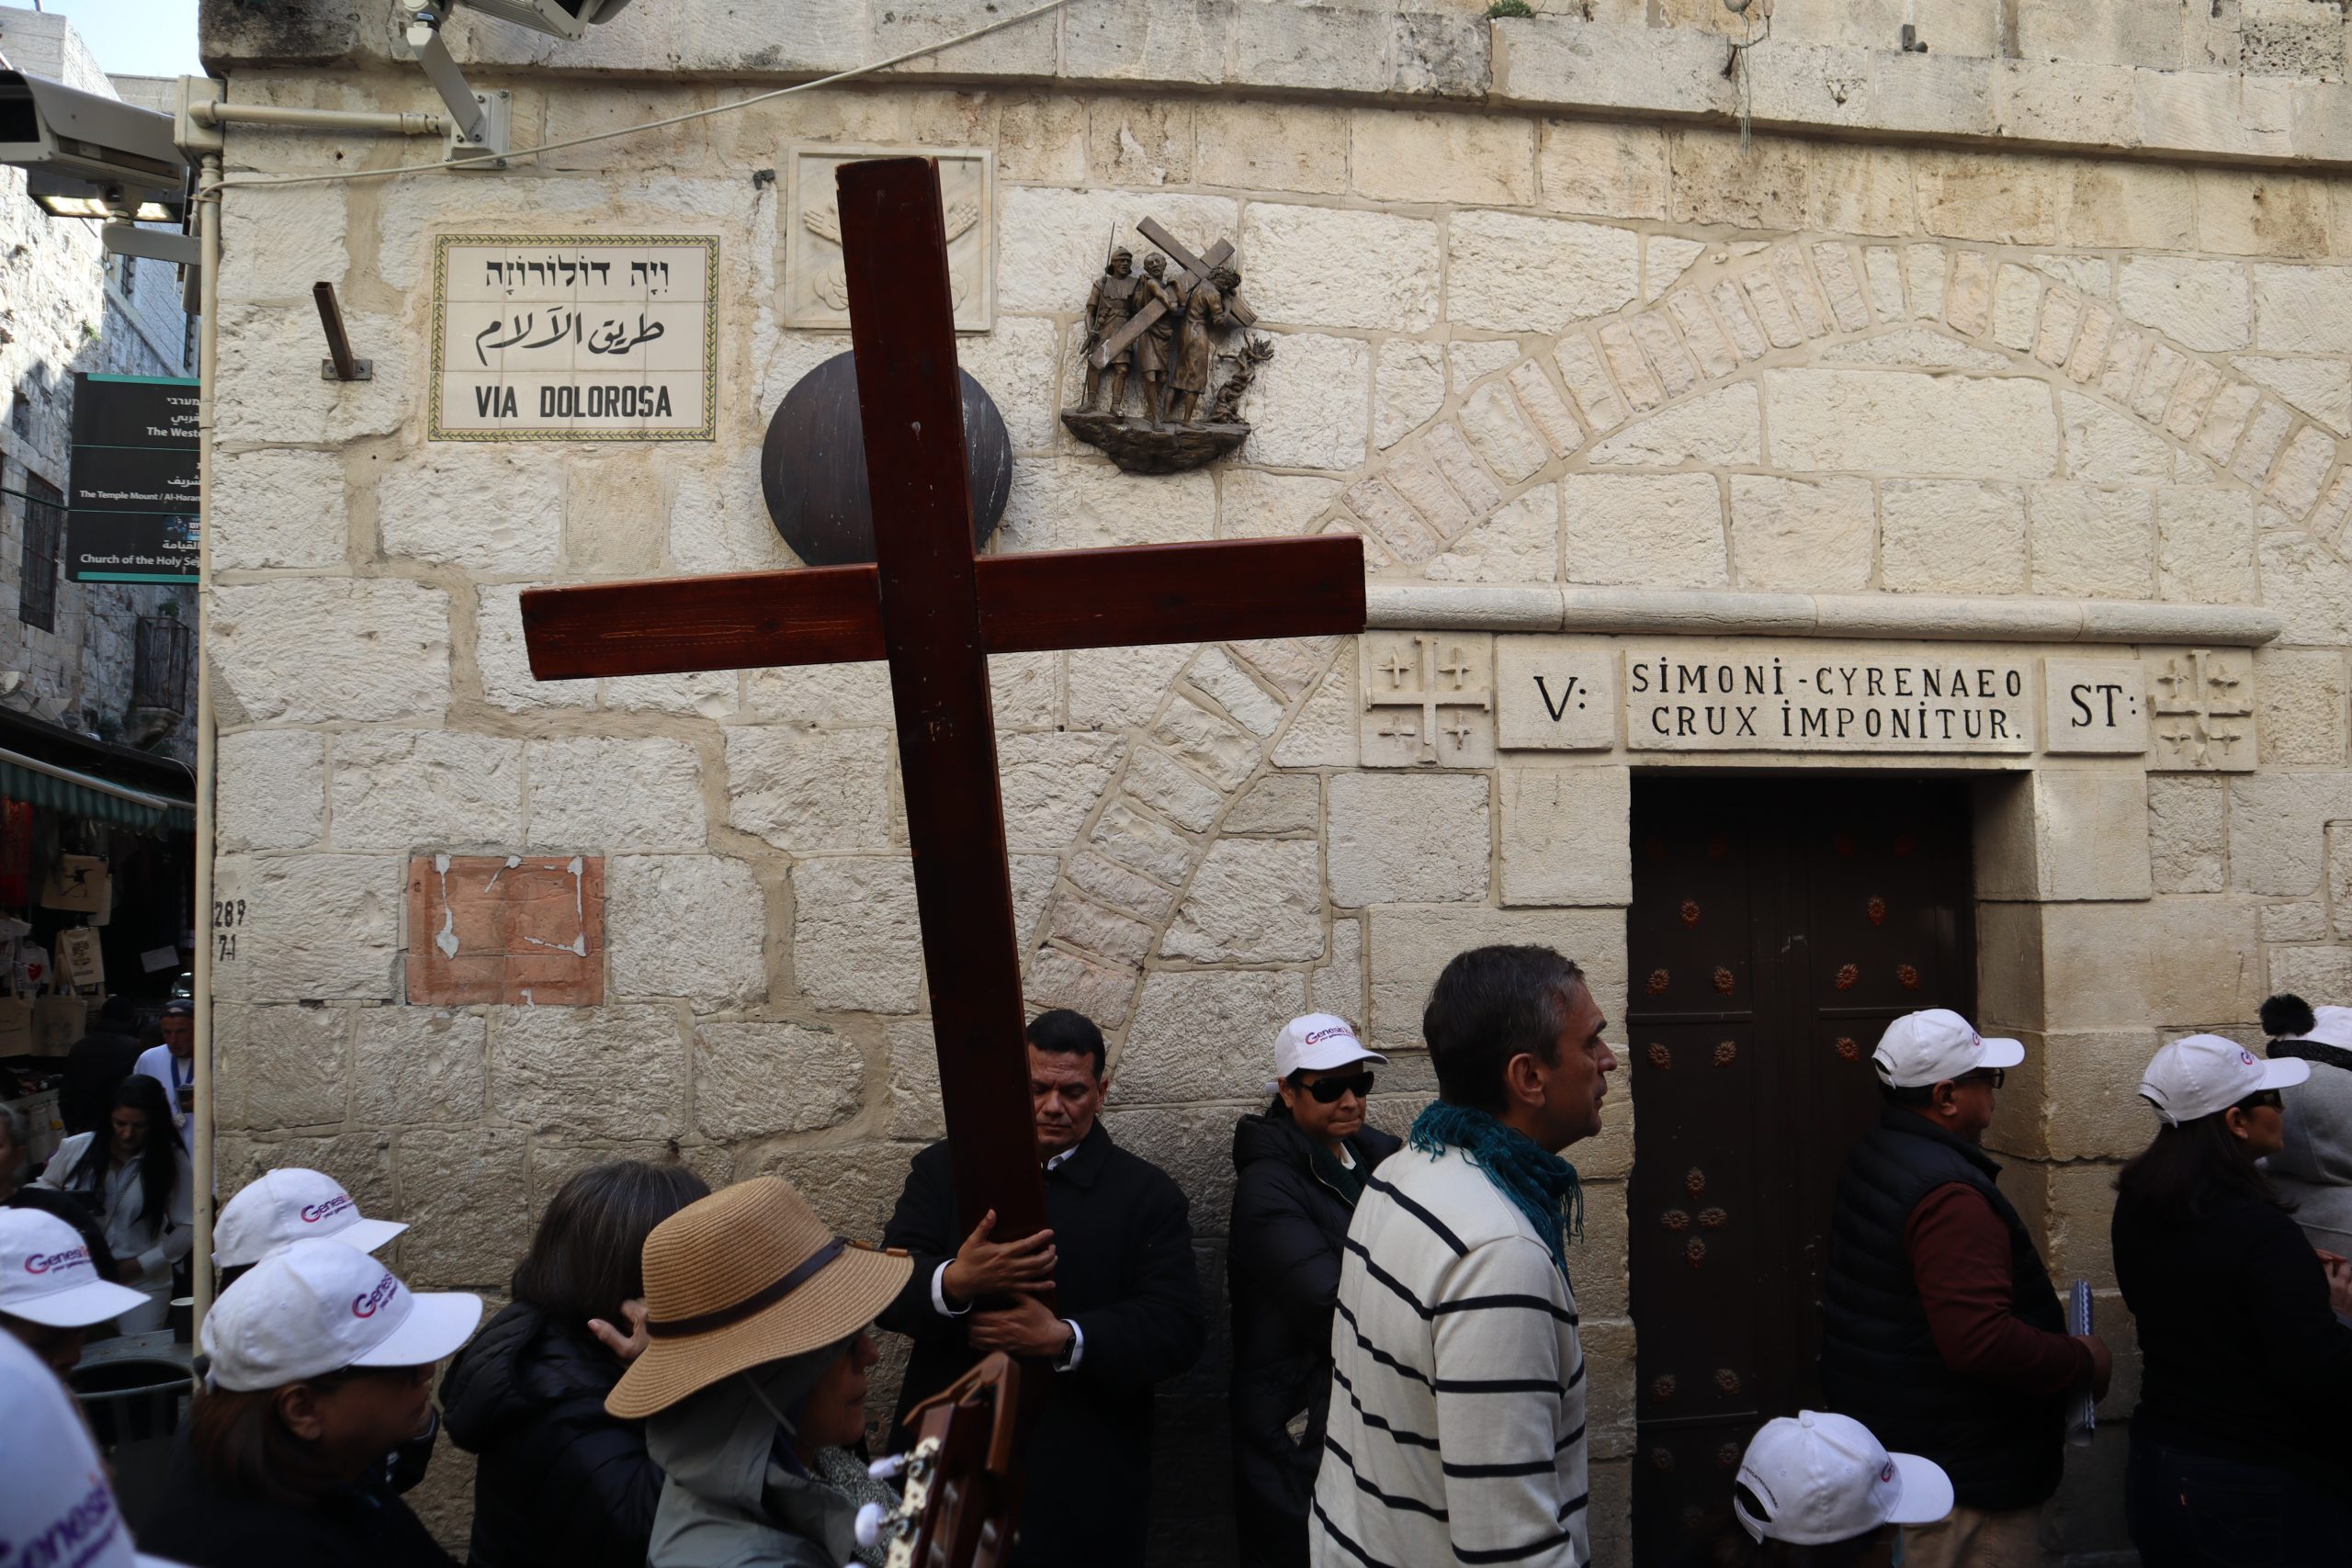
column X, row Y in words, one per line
column 1217, row 592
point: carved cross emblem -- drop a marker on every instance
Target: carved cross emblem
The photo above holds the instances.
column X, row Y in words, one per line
column 2204, row 704
column 1435, row 680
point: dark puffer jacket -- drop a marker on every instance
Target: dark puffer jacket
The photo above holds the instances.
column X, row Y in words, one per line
column 1879, row 1359
column 561, row 1484
column 1288, row 1226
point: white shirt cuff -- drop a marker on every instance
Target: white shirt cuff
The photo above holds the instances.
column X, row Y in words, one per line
column 938, row 1294
column 1069, row 1359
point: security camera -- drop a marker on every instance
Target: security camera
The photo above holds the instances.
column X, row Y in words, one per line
column 90, row 156
column 567, row 19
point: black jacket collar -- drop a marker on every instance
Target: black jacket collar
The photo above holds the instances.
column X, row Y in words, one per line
column 1084, row 1166
column 1894, row 1119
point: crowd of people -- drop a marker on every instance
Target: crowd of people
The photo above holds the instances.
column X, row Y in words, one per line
column 680, row 1378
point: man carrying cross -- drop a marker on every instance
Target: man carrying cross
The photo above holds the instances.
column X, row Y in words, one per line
column 1108, row 1298
column 935, row 611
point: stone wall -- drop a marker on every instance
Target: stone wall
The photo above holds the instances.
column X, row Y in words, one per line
column 62, row 308
column 1516, row 351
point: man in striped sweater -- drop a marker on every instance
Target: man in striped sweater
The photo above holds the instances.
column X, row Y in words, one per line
column 1456, row 1432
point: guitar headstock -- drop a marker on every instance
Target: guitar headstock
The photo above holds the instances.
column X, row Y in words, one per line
column 960, row 1493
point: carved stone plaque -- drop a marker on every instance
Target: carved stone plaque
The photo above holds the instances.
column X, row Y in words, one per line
column 817, row 291
column 1686, row 695
column 2094, row 706
column 2203, row 702
column 1555, row 694
column 1426, row 700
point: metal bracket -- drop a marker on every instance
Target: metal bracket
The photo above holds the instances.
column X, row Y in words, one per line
column 339, row 365
column 493, row 134
column 478, row 122
column 123, row 238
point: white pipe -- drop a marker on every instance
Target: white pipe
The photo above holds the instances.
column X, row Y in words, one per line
column 208, row 370
column 400, row 123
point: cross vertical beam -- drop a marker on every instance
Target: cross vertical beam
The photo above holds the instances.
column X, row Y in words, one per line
column 902, row 328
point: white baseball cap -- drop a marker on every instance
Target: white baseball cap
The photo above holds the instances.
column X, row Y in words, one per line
column 1923, row 1048
column 1824, row 1479
column 2204, row 1073
column 46, row 1275
column 317, row 1306
column 53, row 1486
column 1316, row 1044
column 282, row 1207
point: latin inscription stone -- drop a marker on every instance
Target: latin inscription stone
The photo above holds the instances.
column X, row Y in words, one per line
column 2094, row 706
column 1683, row 696
column 1556, row 693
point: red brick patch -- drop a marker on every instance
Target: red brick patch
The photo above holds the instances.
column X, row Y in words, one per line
column 506, row 929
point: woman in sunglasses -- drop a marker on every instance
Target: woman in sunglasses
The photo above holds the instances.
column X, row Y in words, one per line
column 2239, row 1450
column 1298, row 1170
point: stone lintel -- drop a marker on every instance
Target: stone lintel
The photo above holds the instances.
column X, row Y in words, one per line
column 1697, row 613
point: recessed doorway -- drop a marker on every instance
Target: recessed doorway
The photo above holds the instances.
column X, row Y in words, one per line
column 1778, row 924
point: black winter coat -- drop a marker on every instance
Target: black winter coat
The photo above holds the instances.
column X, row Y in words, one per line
column 1128, row 1278
column 194, row 1522
column 2240, row 1355
column 1284, row 1271
column 561, row 1485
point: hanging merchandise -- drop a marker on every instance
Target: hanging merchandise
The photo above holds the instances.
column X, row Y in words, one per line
column 32, row 974
column 75, row 882
column 81, row 961
column 16, row 1026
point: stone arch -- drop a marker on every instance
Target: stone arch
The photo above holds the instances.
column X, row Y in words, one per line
column 1741, row 310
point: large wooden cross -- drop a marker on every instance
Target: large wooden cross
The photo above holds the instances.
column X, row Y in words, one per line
column 937, row 611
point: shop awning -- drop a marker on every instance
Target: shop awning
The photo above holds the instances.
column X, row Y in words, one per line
column 47, row 784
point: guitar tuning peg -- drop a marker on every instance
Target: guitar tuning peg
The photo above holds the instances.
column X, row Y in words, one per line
column 870, row 1521
column 887, row 1467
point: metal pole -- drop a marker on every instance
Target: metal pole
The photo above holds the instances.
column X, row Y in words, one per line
column 401, row 123
column 208, row 228
column 339, row 362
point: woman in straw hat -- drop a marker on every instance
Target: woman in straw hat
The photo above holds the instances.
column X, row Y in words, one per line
column 753, row 1378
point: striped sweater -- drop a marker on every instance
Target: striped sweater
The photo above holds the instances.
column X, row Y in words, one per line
column 1457, row 1421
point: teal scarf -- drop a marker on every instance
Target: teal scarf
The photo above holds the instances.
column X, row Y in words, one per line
column 1540, row 1184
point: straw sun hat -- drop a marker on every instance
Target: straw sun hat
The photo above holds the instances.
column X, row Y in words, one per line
column 746, row 1276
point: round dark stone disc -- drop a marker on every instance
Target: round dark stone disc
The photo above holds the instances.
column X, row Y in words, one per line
column 812, row 467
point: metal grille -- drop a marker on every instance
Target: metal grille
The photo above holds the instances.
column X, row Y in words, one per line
column 159, row 677
column 44, row 541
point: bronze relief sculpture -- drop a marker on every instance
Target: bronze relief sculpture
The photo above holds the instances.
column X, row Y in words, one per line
column 1165, row 329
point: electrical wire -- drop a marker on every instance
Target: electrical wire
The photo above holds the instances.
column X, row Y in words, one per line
column 341, row 175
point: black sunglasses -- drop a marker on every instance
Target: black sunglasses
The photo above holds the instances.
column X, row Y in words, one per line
column 1996, row 1076
column 1327, row 1091
column 2262, row 1098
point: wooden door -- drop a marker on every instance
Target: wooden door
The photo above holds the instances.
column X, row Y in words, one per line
column 1778, row 924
